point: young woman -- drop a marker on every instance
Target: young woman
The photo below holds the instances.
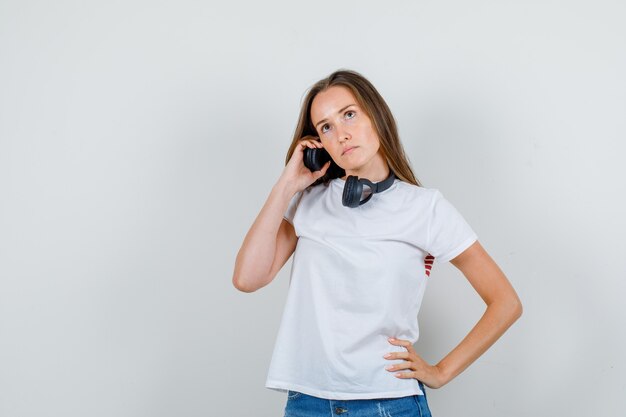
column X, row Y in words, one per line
column 362, row 259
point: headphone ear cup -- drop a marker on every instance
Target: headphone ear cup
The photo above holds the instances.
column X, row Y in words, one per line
column 352, row 192
column 315, row 158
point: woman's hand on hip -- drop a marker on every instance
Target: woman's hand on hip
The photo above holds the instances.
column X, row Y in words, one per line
column 418, row 368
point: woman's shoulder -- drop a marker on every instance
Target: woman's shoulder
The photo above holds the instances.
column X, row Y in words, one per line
column 416, row 190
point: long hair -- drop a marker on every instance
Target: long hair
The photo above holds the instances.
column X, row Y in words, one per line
column 376, row 108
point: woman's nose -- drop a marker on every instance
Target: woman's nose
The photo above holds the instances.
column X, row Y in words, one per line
column 342, row 134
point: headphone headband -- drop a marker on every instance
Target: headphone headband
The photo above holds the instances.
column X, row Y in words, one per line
column 353, row 189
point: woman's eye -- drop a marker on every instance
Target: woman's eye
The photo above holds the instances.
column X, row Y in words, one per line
column 324, row 128
column 352, row 113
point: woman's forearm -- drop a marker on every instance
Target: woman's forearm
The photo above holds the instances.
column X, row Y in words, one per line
column 498, row 317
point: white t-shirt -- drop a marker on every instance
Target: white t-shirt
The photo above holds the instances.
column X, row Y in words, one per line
column 357, row 278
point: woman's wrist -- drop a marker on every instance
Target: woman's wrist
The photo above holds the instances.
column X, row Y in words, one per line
column 444, row 375
column 284, row 187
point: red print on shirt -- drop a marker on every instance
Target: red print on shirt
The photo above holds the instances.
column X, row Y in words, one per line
column 428, row 263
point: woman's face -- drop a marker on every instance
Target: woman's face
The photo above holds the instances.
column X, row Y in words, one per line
column 345, row 130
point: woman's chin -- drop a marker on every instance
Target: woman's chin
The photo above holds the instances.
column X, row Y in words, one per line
column 352, row 166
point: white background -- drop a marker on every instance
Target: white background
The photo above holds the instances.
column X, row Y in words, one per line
column 139, row 140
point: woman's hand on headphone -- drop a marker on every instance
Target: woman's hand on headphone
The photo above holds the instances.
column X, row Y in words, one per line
column 296, row 174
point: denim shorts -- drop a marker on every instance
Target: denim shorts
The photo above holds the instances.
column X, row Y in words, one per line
column 304, row 405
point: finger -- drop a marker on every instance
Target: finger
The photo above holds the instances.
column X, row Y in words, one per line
column 405, row 375
column 309, row 139
column 399, row 366
column 408, row 346
column 400, row 342
column 397, row 355
column 320, row 173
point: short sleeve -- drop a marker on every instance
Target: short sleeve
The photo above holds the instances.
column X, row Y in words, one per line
column 292, row 207
column 448, row 232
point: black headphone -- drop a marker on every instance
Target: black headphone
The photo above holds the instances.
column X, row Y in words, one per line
column 314, row 160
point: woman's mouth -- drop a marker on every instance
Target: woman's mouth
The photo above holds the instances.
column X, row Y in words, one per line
column 348, row 150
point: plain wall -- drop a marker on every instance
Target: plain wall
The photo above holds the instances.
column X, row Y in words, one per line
column 139, row 140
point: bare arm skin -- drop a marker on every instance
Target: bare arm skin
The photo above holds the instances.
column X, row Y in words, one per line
column 271, row 239
column 503, row 309
column 268, row 244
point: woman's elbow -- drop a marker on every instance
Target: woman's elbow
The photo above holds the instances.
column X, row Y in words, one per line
column 515, row 307
column 238, row 286
column 241, row 286
column 510, row 307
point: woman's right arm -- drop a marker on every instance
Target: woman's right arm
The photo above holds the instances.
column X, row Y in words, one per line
column 271, row 240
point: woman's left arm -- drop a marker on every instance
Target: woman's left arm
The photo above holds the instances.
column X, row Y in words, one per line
column 503, row 309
